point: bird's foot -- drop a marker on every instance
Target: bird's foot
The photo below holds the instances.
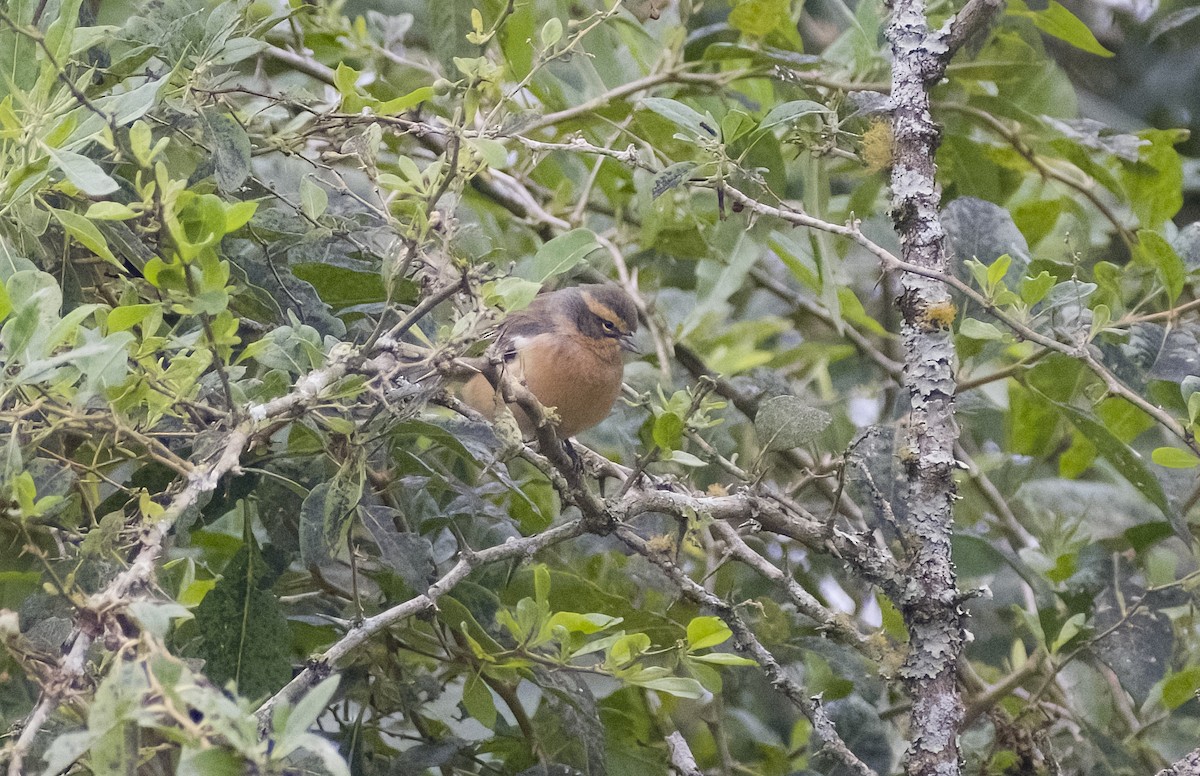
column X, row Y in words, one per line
column 573, row 454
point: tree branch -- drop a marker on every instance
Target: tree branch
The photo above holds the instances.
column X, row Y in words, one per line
column 321, row 666
column 965, row 24
column 931, row 609
column 1188, row 765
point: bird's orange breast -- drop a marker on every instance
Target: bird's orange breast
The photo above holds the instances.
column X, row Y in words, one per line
column 579, row 377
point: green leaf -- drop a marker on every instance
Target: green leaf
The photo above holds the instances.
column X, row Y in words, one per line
column 341, row 286
column 997, row 270
column 140, row 137
column 238, row 214
column 68, row 747
column 313, row 198
column 587, row 624
column 1034, row 289
column 1158, row 253
column 1189, row 391
column 157, row 615
column 61, row 34
column 115, row 747
column 86, row 234
column 627, row 648
column 237, row 49
column 241, row 634
column 1181, row 687
column 1145, row 535
column 679, row 686
column 209, row 762
column 758, row 19
column 455, row 614
column 95, row 359
column 668, row 431
column 853, row 311
column 477, row 700
column 38, row 308
column 345, row 80
column 892, row 620
column 406, row 553
column 404, row 102
column 785, row 422
column 304, row 714
column 1174, row 458
column 82, row 172
column 492, row 152
column 511, row 293
column 686, row 459
column 229, row 150
column 735, row 124
column 979, row 330
column 559, row 255
column 127, row 106
column 1172, row 21
column 541, row 584
column 1057, row 21
column 1154, row 184
column 1069, row 630
column 680, row 115
column 110, row 211
column 127, row 316
column 789, row 112
column 552, row 32
column 723, row 659
column 705, row 632
column 1126, row 461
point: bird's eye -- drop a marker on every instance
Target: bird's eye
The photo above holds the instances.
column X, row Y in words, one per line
column 609, row 326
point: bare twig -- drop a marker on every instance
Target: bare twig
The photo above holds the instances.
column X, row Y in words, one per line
column 836, row 625
column 746, row 641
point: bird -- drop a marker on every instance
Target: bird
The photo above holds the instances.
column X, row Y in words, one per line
column 566, row 348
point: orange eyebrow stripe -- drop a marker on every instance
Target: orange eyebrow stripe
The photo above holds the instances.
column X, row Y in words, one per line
column 602, row 310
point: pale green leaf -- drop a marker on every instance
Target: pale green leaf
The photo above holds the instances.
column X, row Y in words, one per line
column 85, row 233
column 1057, row 21
column 82, row 172
column 705, row 632
column 680, row 115
column 559, row 255
column 1174, row 458
column 785, row 422
column 979, row 330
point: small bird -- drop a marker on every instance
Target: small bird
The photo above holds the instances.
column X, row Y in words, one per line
column 566, row 348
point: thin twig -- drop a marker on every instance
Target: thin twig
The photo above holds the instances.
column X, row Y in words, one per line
column 746, row 641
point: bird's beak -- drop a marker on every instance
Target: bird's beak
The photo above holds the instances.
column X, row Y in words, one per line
column 626, row 343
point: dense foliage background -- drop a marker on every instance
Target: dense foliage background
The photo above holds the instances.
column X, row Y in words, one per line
column 245, row 248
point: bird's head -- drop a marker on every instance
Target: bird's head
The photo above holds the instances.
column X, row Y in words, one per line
column 604, row 311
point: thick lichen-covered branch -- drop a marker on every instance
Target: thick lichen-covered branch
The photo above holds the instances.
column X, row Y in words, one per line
column 932, row 608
